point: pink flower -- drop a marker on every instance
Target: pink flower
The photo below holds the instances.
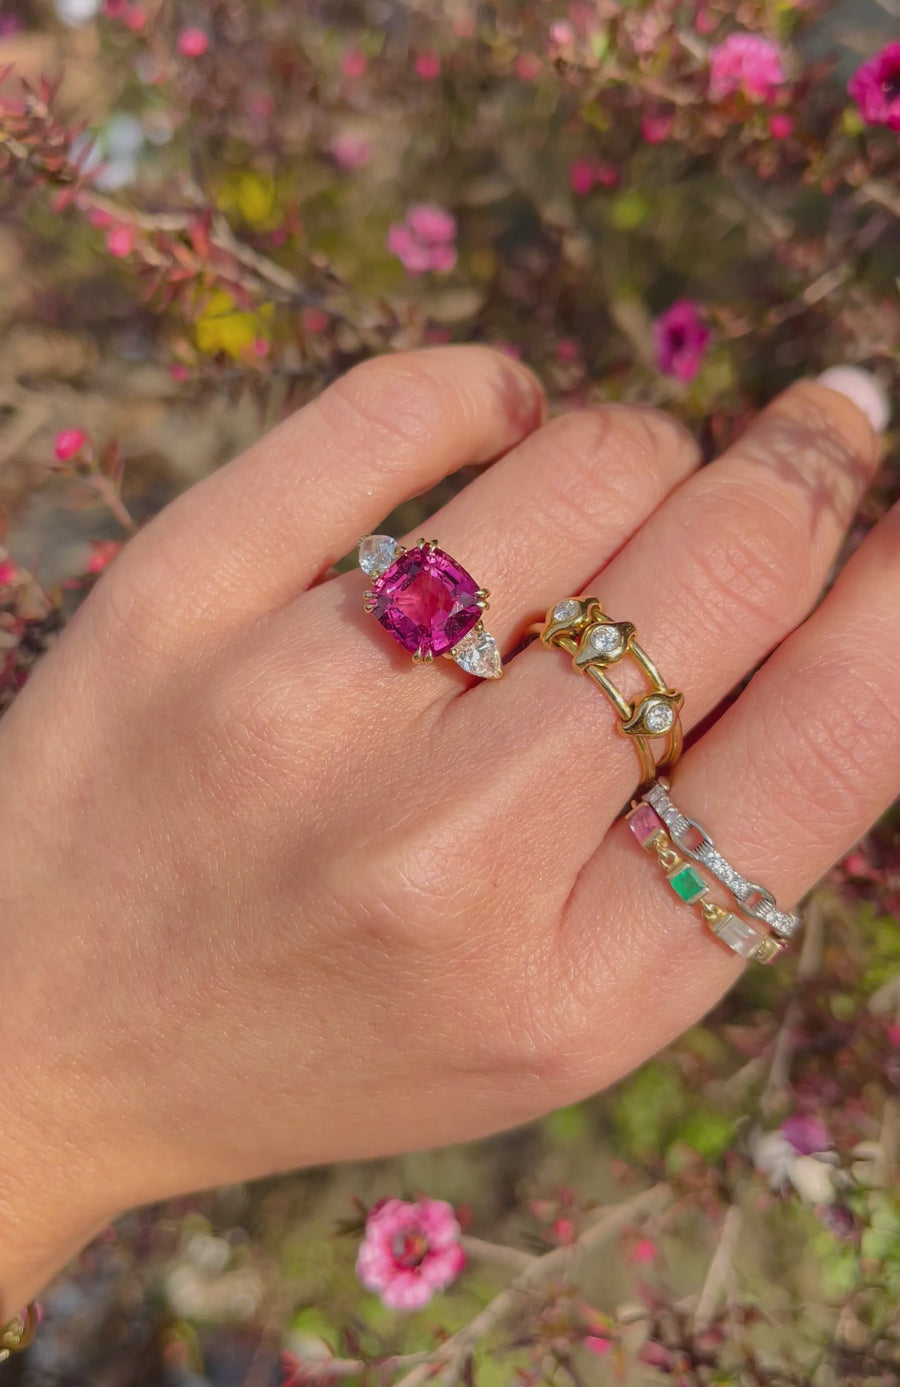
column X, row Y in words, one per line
column 656, row 126
column 350, row 151
column 428, row 66
column 354, row 62
column 103, row 551
column 314, row 320
column 806, row 1134
column 425, row 240
column 135, row 17
column 410, row 1251
column 644, row 1251
column 562, row 37
column 597, row 1344
column 781, row 125
column 893, row 1033
column 679, row 340
column 7, row 573
column 875, row 87
column 120, row 241
column 193, row 42
column 528, row 67
column 585, row 174
column 745, row 63
column 68, row 443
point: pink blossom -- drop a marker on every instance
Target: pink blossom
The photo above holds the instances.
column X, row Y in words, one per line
column 875, row 87
column 103, row 551
column 581, row 177
column 350, row 151
column 705, row 20
column 120, row 241
column 528, row 67
column 781, row 125
column 585, row 174
column 564, row 1231
column 428, row 66
column 410, row 1251
column 644, row 1251
column 597, row 1344
column 567, row 351
column 745, row 63
column 354, row 62
column 193, row 42
column 135, row 17
column 679, row 340
column 425, row 240
column 806, row 1134
column 894, row 1035
column 562, row 36
column 314, row 320
column 656, row 126
column 7, row 573
column 68, row 443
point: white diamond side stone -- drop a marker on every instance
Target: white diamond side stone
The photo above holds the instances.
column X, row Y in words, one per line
column 739, row 935
column 565, row 611
column 377, row 553
column 477, row 654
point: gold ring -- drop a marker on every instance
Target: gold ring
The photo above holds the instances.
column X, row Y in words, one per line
column 580, row 626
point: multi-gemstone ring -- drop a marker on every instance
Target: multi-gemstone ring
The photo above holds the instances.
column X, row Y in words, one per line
column 429, row 604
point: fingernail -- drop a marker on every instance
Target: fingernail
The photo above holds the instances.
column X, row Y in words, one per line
column 863, row 389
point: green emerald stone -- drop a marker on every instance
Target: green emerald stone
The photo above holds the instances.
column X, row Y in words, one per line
column 687, row 883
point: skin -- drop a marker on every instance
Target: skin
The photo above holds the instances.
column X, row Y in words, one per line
column 272, row 897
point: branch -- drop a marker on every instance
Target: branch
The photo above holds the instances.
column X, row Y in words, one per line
column 808, row 966
column 451, row 1355
column 719, row 1268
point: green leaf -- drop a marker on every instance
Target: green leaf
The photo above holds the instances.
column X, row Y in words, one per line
column 708, row 1133
column 629, row 210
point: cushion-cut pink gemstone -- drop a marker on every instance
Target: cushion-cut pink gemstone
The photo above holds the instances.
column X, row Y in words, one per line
column 426, row 601
column 644, row 822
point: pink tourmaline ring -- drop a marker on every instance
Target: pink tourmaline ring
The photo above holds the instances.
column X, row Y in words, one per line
column 429, row 604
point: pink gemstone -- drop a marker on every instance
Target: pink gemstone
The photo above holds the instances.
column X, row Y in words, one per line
column 426, row 601
column 644, row 822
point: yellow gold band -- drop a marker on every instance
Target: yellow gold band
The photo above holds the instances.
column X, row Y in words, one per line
column 18, row 1334
column 581, row 628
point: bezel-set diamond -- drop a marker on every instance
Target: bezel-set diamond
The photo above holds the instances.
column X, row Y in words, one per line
column 429, row 604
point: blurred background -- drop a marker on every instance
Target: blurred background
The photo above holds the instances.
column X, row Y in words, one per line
column 208, row 210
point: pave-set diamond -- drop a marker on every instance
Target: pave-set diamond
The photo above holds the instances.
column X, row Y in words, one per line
column 741, row 936
column 691, row 838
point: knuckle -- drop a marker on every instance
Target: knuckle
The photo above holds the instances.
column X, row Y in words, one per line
column 395, row 397
column 618, row 459
column 256, row 724
column 747, row 558
column 837, row 757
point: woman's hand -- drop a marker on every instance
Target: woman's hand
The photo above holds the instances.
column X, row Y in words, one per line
column 271, row 896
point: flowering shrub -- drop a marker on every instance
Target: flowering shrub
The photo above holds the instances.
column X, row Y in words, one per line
column 687, row 204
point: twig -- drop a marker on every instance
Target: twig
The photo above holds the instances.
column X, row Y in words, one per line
column 451, row 1355
column 511, row 1257
column 718, row 1275
column 882, row 193
column 783, row 1050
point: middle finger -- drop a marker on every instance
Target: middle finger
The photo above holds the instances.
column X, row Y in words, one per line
column 717, row 577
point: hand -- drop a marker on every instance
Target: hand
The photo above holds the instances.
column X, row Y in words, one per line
column 271, row 896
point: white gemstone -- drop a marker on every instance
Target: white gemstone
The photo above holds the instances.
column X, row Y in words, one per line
column 565, row 611
column 377, row 553
column 658, row 718
column 739, row 935
column 605, row 640
column 477, row 654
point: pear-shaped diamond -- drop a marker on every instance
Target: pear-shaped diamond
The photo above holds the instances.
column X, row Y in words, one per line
column 377, row 553
column 477, row 654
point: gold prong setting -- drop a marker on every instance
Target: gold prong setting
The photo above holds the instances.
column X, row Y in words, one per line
column 429, row 604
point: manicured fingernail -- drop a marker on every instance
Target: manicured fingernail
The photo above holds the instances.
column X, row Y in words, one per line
column 863, row 389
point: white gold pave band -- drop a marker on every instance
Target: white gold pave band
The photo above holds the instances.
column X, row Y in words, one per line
column 694, row 841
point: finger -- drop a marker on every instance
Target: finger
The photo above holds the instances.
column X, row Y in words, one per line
column 721, row 572
column 556, row 508
column 256, row 532
column 787, row 780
